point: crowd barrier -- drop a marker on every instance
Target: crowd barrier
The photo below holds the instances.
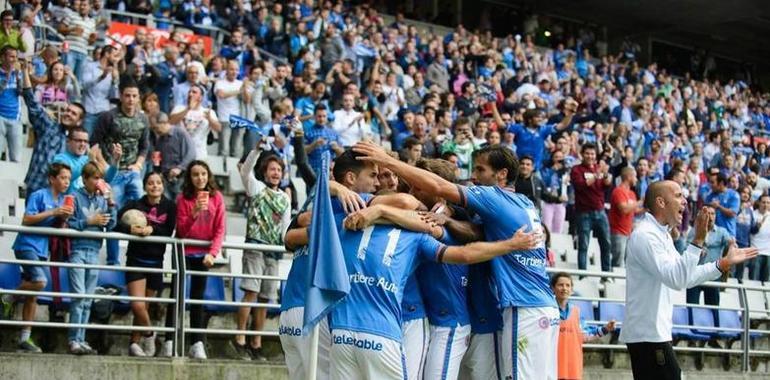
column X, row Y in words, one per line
column 180, row 272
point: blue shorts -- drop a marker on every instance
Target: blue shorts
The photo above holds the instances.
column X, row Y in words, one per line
column 33, row 273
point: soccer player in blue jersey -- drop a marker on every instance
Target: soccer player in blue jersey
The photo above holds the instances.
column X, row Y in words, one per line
column 366, row 325
column 355, row 180
column 530, row 316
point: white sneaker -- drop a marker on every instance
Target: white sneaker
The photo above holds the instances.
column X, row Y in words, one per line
column 168, row 349
column 76, row 349
column 197, row 351
column 135, row 350
column 148, row 344
column 88, row 349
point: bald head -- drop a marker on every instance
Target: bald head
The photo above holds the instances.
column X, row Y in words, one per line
column 657, row 190
column 666, row 202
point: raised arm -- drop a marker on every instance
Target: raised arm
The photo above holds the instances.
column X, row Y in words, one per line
column 423, row 179
column 383, row 214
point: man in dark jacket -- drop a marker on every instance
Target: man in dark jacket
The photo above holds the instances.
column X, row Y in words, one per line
column 530, row 185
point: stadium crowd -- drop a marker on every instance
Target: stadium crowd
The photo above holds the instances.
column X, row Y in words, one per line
column 119, row 127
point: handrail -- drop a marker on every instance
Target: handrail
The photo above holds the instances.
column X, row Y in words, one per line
column 180, row 300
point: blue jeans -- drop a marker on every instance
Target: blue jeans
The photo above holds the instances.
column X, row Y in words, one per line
column 89, row 123
column 759, row 268
column 76, row 61
column 82, row 281
column 597, row 222
column 126, row 186
column 11, row 130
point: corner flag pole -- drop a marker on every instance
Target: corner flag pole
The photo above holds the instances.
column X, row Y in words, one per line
column 313, row 358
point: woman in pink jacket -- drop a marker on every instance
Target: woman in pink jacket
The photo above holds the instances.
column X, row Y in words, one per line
column 200, row 214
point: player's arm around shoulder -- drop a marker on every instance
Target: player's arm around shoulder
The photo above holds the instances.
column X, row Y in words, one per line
column 484, row 251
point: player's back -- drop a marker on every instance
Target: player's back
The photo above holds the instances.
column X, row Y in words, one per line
column 379, row 260
column 520, row 276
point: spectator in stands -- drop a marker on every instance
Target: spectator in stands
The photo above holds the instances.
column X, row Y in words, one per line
column 760, row 239
column 744, row 222
column 50, row 134
column 172, row 150
column 60, row 88
column 197, row 120
column 255, row 104
column 530, row 184
column 200, row 215
column 321, row 138
column 77, row 155
column 725, row 201
column 128, row 126
column 268, row 214
column 555, row 179
column 623, row 207
column 462, row 146
column 10, row 107
column 94, row 211
column 166, row 78
column 79, row 30
column 412, row 151
column 227, row 93
column 590, row 180
column 10, row 36
column 193, row 77
column 718, row 241
column 160, row 213
column 573, row 330
column 100, row 83
column 349, row 123
column 531, row 135
column 45, row 208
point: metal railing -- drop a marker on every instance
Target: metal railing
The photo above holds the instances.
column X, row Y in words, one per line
column 746, row 351
column 179, row 283
column 180, row 274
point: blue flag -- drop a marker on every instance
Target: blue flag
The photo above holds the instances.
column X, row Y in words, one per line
column 328, row 281
column 237, row 122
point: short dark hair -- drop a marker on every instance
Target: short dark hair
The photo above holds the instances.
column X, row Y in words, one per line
column 126, row 83
column 588, row 146
column 320, row 107
column 55, row 168
column 557, row 276
column 499, row 158
column 82, row 109
column 7, row 13
column 526, row 157
column 670, row 175
column 721, row 178
column 410, row 142
column 347, row 162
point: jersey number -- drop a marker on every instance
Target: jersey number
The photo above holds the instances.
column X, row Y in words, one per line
column 390, row 248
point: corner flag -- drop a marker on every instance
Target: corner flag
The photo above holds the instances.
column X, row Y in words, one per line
column 328, row 281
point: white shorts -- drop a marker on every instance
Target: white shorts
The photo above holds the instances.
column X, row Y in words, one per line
column 445, row 351
column 361, row 356
column 296, row 347
column 529, row 343
column 414, row 338
column 481, row 359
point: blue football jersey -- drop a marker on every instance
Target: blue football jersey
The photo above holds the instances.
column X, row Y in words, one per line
column 444, row 289
column 379, row 260
column 295, row 288
column 483, row 311
column 412, row 306
column 519, row 276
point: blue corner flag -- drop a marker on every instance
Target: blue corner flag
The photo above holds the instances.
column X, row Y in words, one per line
column 328, row 281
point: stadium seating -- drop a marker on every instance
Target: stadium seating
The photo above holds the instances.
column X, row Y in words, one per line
column 703, row 318
column 612, row 310
column 681, row 317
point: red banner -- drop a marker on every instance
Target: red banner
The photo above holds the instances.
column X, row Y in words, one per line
column 124, row 33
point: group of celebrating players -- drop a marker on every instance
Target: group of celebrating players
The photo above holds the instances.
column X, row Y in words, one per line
column 458, row 291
